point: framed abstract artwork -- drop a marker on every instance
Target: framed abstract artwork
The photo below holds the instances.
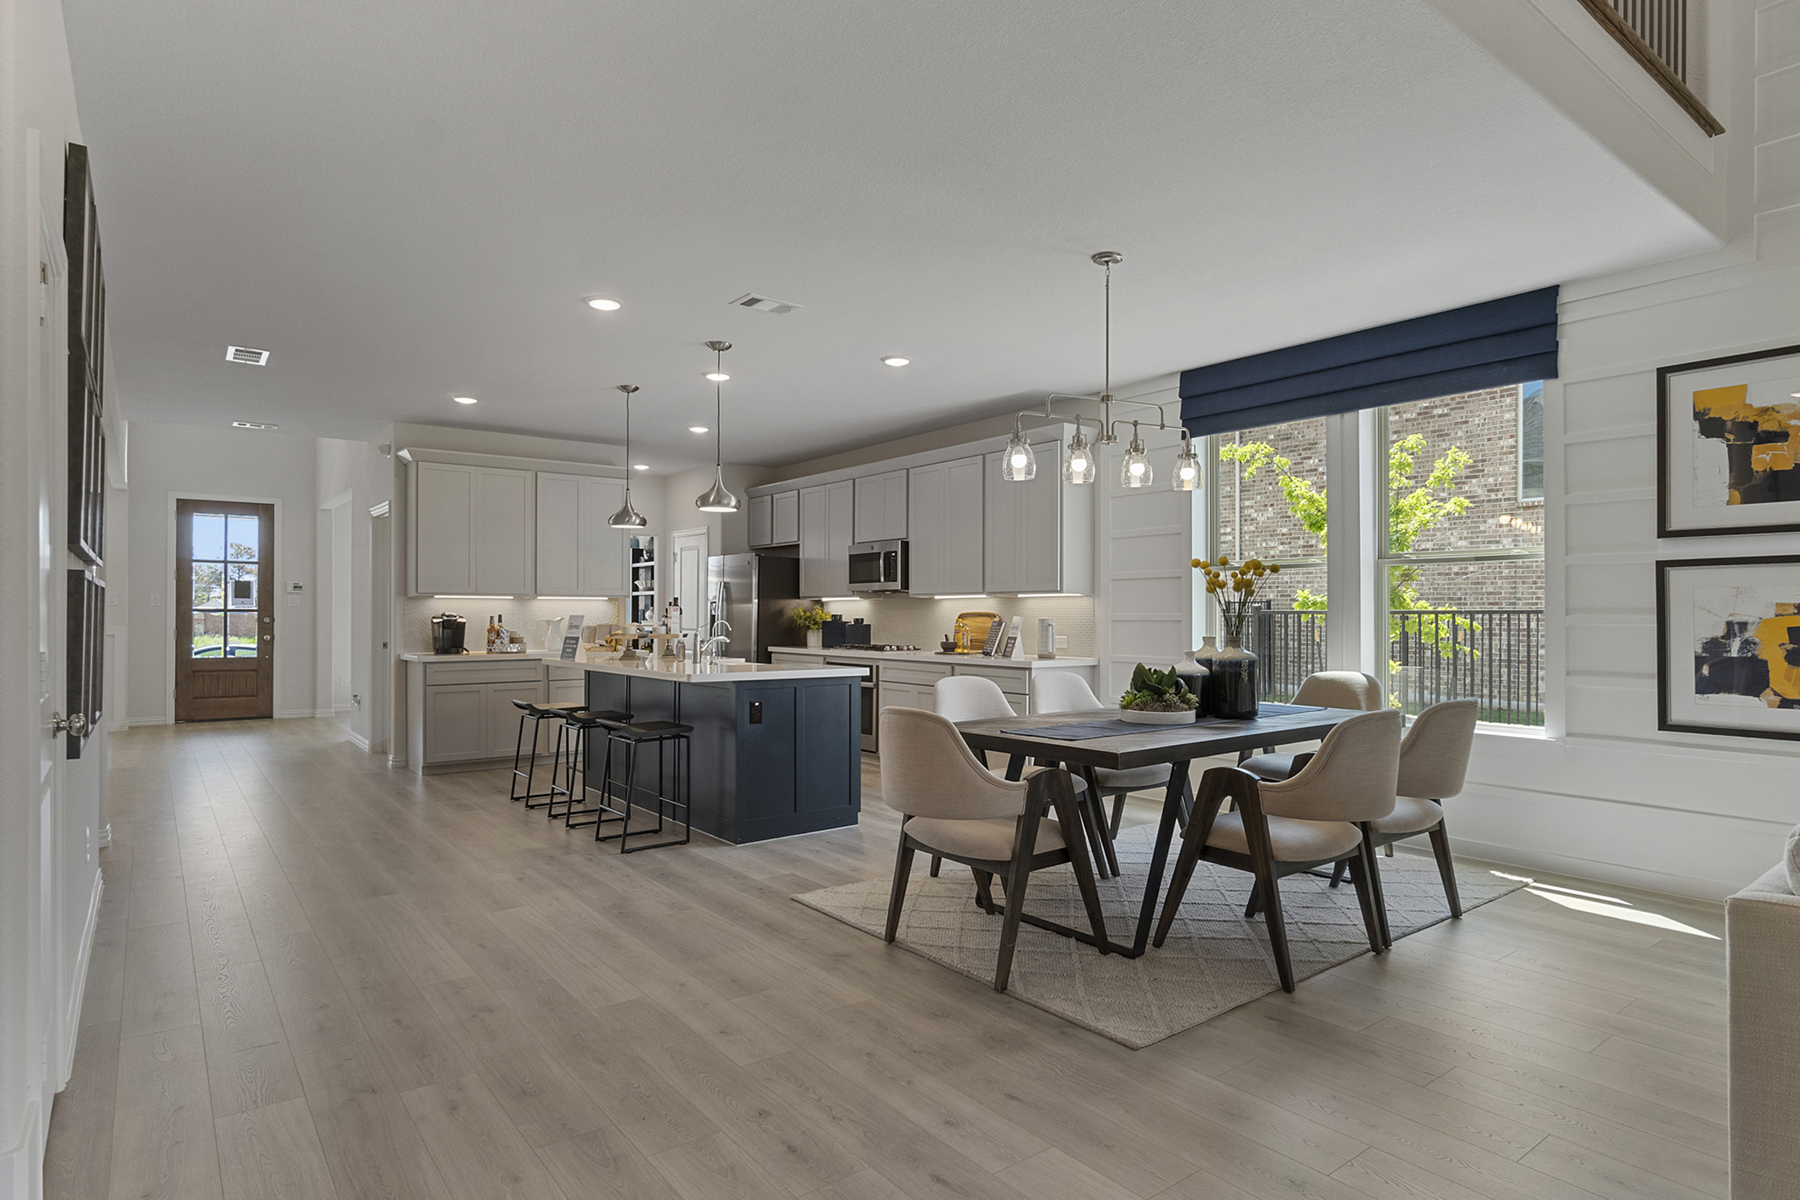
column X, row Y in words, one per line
column 1728, row 445
column 1728, row 646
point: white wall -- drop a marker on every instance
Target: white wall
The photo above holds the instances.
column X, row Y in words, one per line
column 1609, row 796
column 196, row 460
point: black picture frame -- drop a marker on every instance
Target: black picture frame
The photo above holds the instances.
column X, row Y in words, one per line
column 1665, row 521
column 87, row 360
column 1665, row 685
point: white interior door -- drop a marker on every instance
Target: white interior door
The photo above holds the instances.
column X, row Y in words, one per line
column 689, row 584
column 1143, row 608
column 381, row 656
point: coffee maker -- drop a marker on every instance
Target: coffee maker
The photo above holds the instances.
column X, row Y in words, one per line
column 447, row 632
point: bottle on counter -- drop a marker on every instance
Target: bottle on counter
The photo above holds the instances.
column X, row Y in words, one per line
column 493, row 634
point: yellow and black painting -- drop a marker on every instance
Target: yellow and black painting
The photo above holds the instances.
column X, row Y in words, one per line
column 1762, row 446
column 1754, row 656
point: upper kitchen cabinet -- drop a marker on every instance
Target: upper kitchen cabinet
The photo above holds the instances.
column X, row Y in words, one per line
column 944, row 527
column 1038, row 534
column 881, row 507
column 826, row 530
column 774, row 519
column 472, row 530
column 578, row 552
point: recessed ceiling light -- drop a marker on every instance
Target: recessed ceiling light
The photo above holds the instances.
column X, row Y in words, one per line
column 698, row 429
column 640, row 466
column 463, row 399
column 247, row 356
column 717, row 376
column 894, row 360
column 250, row 425
column 603, row 304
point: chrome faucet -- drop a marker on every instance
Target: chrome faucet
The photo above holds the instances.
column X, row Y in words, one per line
column 709, row 649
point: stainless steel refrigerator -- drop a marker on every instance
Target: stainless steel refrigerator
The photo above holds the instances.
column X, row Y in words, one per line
column 753, row 592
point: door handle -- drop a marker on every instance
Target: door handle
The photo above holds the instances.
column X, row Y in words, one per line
column 75, row 723
column 268, row 637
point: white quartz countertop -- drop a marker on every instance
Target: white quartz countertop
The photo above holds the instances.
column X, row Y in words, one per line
column 479, row 656
column 678, row 670
column 876, row 656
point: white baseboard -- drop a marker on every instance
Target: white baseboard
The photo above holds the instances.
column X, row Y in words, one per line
column 22, row 1162
column 159, row 719
column 72, row 1018
column 359, row 741
column 297, row 714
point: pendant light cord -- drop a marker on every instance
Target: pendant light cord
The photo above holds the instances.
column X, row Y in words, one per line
column 719, row 411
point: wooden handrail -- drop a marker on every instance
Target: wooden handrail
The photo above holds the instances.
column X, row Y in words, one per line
column 1615, row 23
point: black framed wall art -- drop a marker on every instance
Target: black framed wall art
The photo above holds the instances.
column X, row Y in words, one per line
column 1728, row 445
column 1728, row 646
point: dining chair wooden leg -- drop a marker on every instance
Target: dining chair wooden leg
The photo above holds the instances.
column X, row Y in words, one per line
column 1009, row 925
column 984, row 895
column 1377, row 889
column 1095, row 807
column 1185, row 862
column 1337, row 874
column 1090, row 831
column 1278, row 933
column 936, row 862
column 902, row 872
column 1365, row 895
column 1440, row 849
column 1250, row 906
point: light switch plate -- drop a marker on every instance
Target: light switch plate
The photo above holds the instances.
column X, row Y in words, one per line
column 293, row 602
column 1062, row 643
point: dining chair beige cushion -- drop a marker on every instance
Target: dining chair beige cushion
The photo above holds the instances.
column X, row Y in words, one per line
column 1063, row 691
column 1289, row 840
column 1133, row 778
column 1434, row 758
column 1270, row 766
column 971, row 698
column 927, row 770
column 1410, row 815
column 1341, row 689
column 1351, row 776
column 991, row 839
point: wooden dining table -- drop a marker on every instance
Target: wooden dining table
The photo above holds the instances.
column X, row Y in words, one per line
column 1148, row 745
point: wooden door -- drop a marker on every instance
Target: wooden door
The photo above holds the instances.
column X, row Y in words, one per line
column 224, row 610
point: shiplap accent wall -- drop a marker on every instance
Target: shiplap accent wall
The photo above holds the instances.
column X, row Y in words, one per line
column 1608, row 796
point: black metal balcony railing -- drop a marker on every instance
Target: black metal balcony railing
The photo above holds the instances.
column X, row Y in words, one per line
column 1492, row 655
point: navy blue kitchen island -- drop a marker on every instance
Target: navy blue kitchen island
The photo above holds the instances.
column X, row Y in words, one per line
column 776, row 750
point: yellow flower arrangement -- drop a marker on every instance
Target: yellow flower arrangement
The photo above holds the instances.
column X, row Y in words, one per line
column 1234, row 587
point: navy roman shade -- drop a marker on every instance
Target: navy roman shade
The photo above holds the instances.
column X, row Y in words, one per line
column 1492, row 344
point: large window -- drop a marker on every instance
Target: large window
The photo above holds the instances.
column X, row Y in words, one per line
column 1463, row 561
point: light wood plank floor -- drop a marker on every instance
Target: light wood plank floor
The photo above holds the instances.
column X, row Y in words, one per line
column 316, row 977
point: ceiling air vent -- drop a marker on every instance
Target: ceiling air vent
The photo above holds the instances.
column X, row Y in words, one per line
column 766, row 304
column 244, row 354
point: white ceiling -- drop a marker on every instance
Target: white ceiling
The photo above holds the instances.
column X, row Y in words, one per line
column 408, row 200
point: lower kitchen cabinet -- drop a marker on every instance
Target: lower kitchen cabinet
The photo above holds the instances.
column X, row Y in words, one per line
column 462, row 712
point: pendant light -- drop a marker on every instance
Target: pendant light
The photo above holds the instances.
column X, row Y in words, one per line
column 1078, row 467
column 1020, row 464
column 1134, row 471
column 1187, row 466
column 627, row 517
column 718, row 497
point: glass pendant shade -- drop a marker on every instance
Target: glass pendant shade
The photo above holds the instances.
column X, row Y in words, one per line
column 1187, row 467
column 718, row 497
column 1078, row 465
column 1019, row 463
column 1135, row 471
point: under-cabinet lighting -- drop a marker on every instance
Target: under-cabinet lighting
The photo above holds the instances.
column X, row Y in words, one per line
column 571, row 597
column 1041, row 595
column 835, row 599
column 481, row 597
column 961, row 596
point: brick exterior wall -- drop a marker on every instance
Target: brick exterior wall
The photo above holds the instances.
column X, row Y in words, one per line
column 1483, row 424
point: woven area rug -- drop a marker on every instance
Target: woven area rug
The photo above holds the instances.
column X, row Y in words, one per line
column 1213, row 961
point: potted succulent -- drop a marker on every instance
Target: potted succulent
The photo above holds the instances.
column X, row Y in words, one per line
column 811, row 621
column 1157, row 697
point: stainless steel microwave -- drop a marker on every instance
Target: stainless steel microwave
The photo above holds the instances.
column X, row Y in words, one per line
column 878, row 566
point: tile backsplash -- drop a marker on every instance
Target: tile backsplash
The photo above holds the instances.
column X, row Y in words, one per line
column 522, row 614
column 920, row 622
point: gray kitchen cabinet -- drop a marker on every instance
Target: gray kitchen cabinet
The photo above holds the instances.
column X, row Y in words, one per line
column 784, row 518
column 462, row 712
column 455, row 723
column 1038, row 534
column 502, row 719
column 881, row 507
column 760, row 514
column 826, row 530
column 578, row 552
column 473, row 530
column 944, row 503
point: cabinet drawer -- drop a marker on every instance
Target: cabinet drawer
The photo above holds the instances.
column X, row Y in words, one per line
column 924, row 674
column 778, row 659
column 562, row 673
column 1010, row 679
column 529, row 671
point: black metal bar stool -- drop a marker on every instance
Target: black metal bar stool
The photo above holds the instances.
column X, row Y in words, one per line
column 579, row 725
column 674, row 750
column 537, row 714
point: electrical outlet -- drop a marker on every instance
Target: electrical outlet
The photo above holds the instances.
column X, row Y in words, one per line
column 1062, row 643
column 756, row 712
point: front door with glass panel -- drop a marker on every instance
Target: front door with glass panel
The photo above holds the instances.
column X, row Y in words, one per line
column 224, row 610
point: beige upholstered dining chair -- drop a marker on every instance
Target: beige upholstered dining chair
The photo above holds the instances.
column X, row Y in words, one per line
column 953, row 807
column 1065, row 691
column 1434, row 759
column 976, row 698
column 1295, row 825
column 1327, row 689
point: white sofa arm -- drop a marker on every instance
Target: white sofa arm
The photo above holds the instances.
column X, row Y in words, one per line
column 1762, row 933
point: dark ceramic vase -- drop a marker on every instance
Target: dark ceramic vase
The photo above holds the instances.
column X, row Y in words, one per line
column 1204, row 657
column 1233, row 681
